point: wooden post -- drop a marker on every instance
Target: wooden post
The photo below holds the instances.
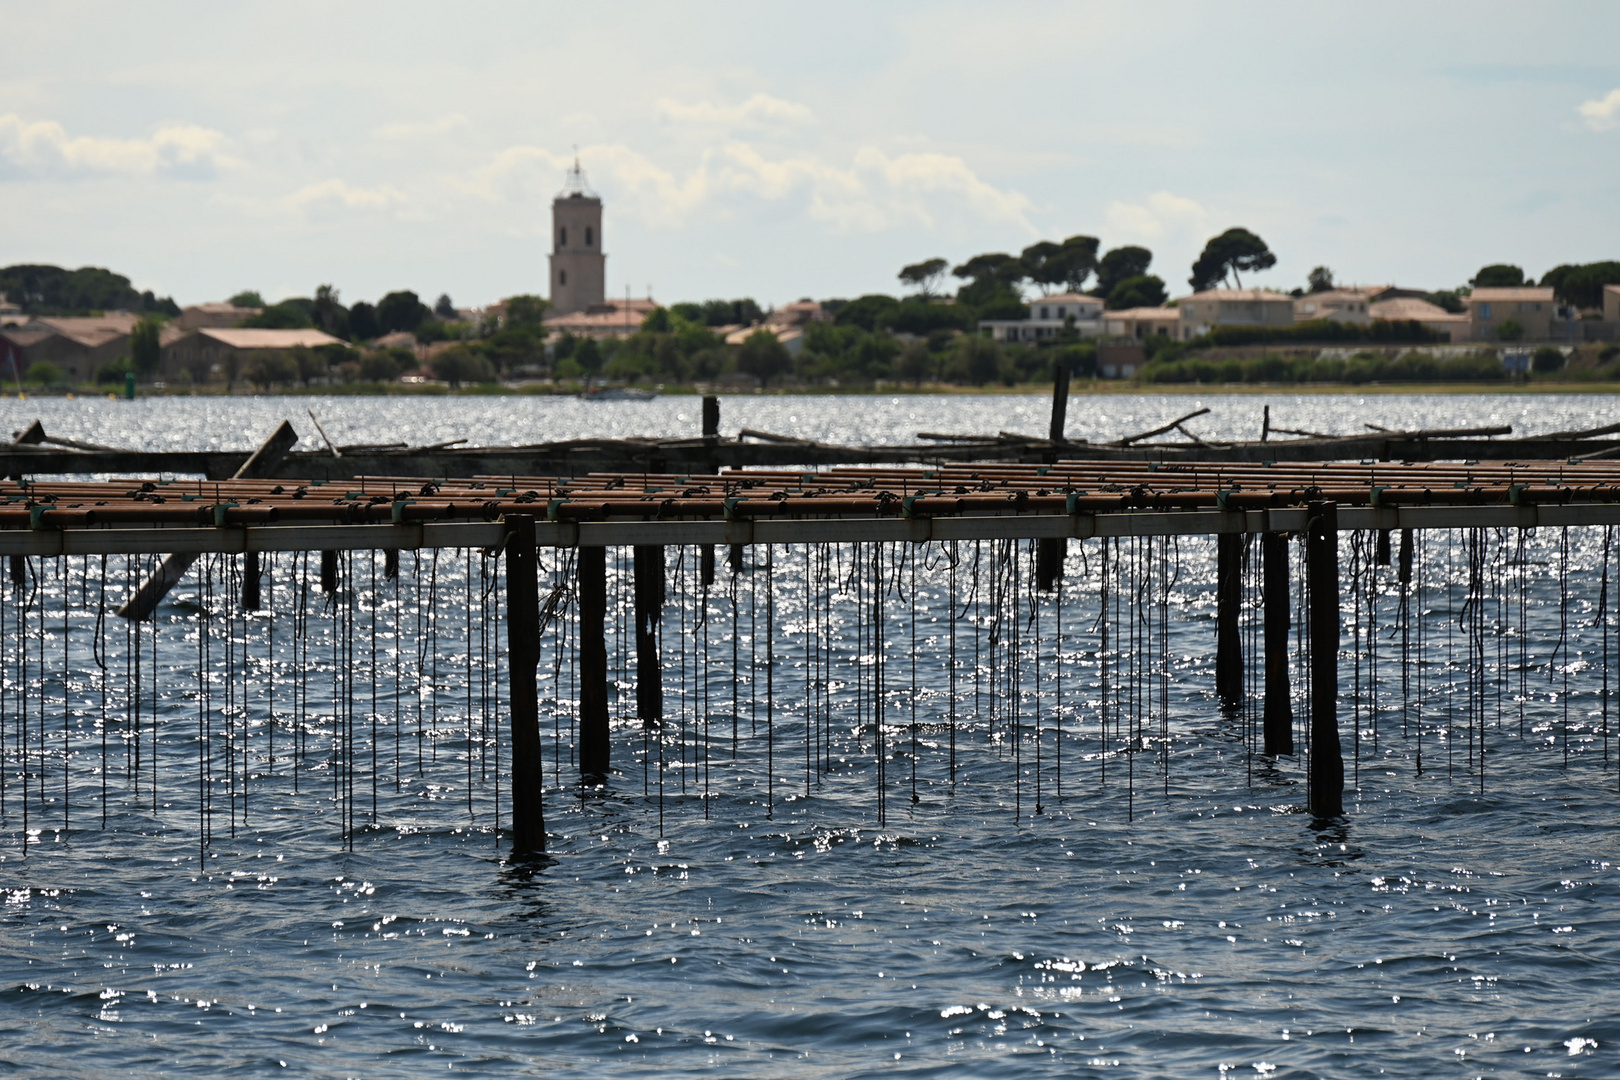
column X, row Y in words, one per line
column 1060, row 401
column 523, row 694
column 1049, row 555
column 139, row 607
column 329, row 572
column 1277, row 718
column 1322, row 563
column 251, row 600
column 711, row 431
column 593, row 668
column 1050, row 551
column 649, row 575
column 1228, row 602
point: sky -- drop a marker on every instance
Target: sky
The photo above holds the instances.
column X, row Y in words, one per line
column 784, row 151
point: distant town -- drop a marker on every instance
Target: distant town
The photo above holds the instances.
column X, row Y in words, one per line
column 1008, row 320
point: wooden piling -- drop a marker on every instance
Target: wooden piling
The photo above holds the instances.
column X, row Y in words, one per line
column 1322, row 599
column 1277, row 718
column 593, row 665
column 251, row 600
column 1060, row 401
column 711, row 430
column 1049, row 555
column 1228, row 603
column 649, row 604
column 1051, row 551
column 523, row 694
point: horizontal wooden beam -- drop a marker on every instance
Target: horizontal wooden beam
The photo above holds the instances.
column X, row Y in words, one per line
column 562, row 534
column 706, row 456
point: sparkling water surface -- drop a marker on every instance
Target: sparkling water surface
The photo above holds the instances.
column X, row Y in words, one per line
column 241, row 423
column 1169, row 911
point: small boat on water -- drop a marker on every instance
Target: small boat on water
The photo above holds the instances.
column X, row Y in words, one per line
column 618, row 393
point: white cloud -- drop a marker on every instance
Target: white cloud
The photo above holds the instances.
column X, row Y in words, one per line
column 420, row 129
column 872, row 193
column 338, row 194
column 531, row 175
column 44, row 148
column 1159, row 216
column 1601, row 114
column 761, row 110
column 875, row 192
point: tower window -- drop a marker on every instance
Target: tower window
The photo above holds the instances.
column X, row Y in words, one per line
column 587, row 236
column 562, row 237
column 562, row 277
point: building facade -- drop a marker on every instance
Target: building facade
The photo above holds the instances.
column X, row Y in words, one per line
column 1347, row 305
column 603, row 319
column 197, row 316
column 1204, row 311
column 78, row 346
column 1437, row 320
column 1142, row 323
column 214, row 353
column 1532, row 308
column 1048, row 317
column 578, row 265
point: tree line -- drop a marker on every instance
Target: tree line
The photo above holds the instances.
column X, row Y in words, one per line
column 926, row 334
column 51, row 290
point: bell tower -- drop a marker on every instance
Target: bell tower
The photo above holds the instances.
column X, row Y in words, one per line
column 578, row 266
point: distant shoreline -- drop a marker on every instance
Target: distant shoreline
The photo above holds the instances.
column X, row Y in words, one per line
column 1099, row 388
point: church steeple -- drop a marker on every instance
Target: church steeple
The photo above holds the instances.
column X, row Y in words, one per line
column 574, row 182
column 578, row 265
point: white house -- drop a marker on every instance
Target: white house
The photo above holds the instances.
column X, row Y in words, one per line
column 1049, row 316
column 1143, row 322
column 1347, row 305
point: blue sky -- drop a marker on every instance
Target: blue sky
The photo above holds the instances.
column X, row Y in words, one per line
column 782, row 151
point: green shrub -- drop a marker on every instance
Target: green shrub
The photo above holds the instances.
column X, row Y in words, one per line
column 1363, row 367
column 461, row 365
column 45, row 373
column 114, row 372
column 1320, row 331
column 386, row 365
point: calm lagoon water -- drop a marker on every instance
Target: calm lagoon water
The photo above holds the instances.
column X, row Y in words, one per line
column 1168, row 912
column 187, row 423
